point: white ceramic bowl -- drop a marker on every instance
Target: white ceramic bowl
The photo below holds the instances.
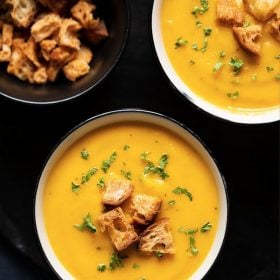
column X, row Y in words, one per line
column 120, row 116
column 248, row 117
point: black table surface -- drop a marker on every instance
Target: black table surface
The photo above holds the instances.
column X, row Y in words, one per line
column 248, row 156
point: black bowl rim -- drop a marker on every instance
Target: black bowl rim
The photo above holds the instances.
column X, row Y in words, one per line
column 121, row 111
column 92, row 86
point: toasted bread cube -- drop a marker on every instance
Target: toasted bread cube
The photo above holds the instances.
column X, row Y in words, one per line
column 6, row 42
column 248, row 37
column 57, row 6
column 262, row 9
column 76, row 69
column 62, row 55
column 41, row 76
column 53, row 70
column 45, row 26
column 117, row 191
column 83, row 13
column 68, row 34
column 120, row 231
column 47, row 46
column 30, row 50
column 23, row 11
column 157, row 238
column 145, row 208
column 85, row 54
column 229, row 12
column 96, row 34
column 275, row 28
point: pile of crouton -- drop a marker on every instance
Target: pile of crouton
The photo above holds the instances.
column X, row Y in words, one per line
column 265, row 12
column 40, row 39
column 138, row 224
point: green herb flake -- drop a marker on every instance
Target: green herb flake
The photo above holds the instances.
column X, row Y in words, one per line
column 101, row 183
column 233, row 95
column 115, row 261
column 126, row 147
column 158, row 254
column 277, row 77
column 236, row 64
column 269, row 69
column 218, row 66
column 191, row 232
column 180, row 42
column 180, row 191
column 101, row 267
column 86, row 225
column 106, row 164
column 206, row 227
column 207, row 31
column 126, row 174
column 222, row 54
column 200, row 10
column 172, row 202
column 160, row 169
column 254, row 77
column 277, row 56
column 192, row 62
column 135, row 266
column 198, row 23
column 88, row 175
column 205, row 45
column 75, row 187
column 142, row 278
column 84, row 154
column 188, row 231
column 144, row 156
column 195, row 47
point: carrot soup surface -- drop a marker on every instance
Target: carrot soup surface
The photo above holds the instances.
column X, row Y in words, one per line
column 81, row 252
column 201, row 50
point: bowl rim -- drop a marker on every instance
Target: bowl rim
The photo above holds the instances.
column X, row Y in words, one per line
column 249, row 117
column 98, row 82
column 152, row 114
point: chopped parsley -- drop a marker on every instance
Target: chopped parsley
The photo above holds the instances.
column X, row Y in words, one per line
column 192, row 62
column 152, row 168
column 222, row 54
column 205, row 44
column 200, row 10
column 218, row 66
column 206, row 227
column 158, row 254
column 86, row 225
column 180, row 191
column 115, row 261
column 180, row 42
column 101, row 267
column 89, row 174
column 84, row 154
column 254, row 77
column 126, row 174
column 277, row 77
column 233, row 95
column 194, row 46
column 106, row 164
column 236, row 64
column 198, row 23
column 269, row 69
column 172, row 202
column 101, row 183
column 277, row 56
column 135, row 266
column 207, row 31
column 191, row 232
column 75, row 187
column 126, row 147
column 188, row 231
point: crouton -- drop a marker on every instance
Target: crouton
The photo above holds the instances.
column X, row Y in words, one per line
column 85, row 54
column 40, row 76
column 62, row 55
column 144, row 208
column 6, row 42
column 248, row 37
column 120, row 231
column 157, row 238
column 47, row 46
column 275, row 28
column 76, row 69
column 45, row 26
column 229, row 12
column 23, row 11
column 30, row 50
column 117, row 191
column 97, row 33
column 68, row 34
column 262, row 9
column 53, row 70
column 57, row 6
column 83, row 13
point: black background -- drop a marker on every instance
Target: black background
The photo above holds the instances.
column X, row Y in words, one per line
column 248, row 157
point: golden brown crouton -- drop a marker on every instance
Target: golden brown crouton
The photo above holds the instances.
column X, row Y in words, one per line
column 45, row 26
column 62, row 55
column 83, row 13
column 275, row 28
column 47, row 46
column 117, row 191
column 30, row 50
column 76, row 69
column 53, row 70
column 57, row 6
column 262, row 9
column 120, row 231
column 40, row 76
column 144, row 208
column 157, row 238
column 85, row 54
column 248, row 37
column 23, row 11
column 6, row 42
column 229, row 12
column 97, row 33
column 68, row 34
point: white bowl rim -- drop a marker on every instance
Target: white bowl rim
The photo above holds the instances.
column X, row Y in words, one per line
column 242, row 117
column 208, row 263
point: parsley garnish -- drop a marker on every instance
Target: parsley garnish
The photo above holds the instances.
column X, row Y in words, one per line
column 101, row 183
column 135, row 266
column 192, row 62
column 115, row 261
column 75, row 187
column 205, row 44
column 191, row 232
column 86, row 225
column 158, row 254
column 144, row 156
column 172, row 202
column 101, row 267
column 277, row 77
column 180, row 42
column 206, row 227
column 222, row 54
column 277, row 56
column 218, row 66
column 126, row 147
column 269, row 69
column 91, row 172
column 233, row 95
column 207, row 31
column 126, row 174
column 106, row 164
column 194, row 46
column 84, row 154
column 254, row 77
column 198, row 23
column 200, row 10
column 180, row 190
column 236, row 64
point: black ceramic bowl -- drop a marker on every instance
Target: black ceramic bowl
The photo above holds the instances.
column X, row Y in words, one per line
column 116, row 15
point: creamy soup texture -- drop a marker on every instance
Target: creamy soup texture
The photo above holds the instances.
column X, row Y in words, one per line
column 206, row 47
column 82, row 252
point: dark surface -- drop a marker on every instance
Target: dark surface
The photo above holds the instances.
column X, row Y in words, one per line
column 248, row 156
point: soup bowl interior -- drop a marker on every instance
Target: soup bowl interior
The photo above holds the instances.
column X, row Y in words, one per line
column 238, row 116
column 114, row 118
column 116, row 15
